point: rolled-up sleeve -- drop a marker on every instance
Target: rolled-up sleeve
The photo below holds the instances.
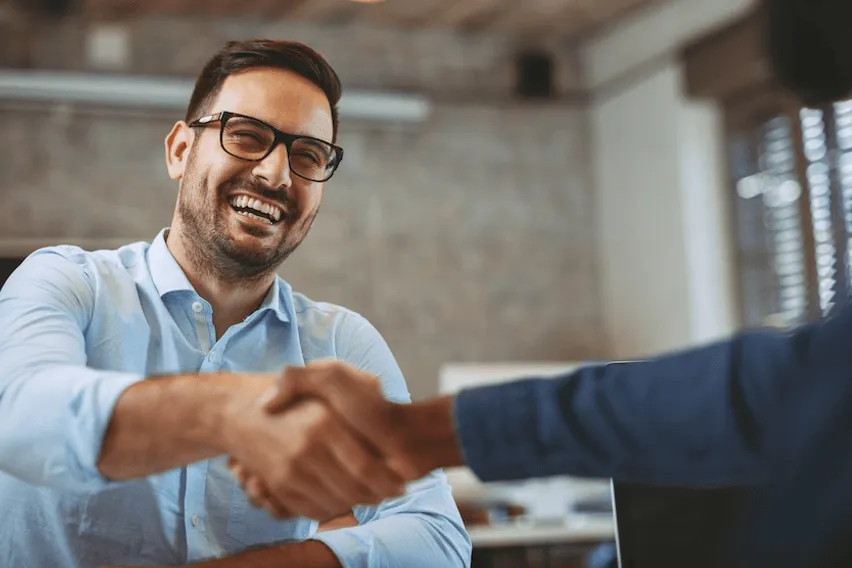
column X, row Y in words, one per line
column 423, row 528
column 54, row 411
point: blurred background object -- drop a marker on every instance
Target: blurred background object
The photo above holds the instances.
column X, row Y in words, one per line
column 526, row 183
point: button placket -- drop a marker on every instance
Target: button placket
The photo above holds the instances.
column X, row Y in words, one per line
column 202, row 326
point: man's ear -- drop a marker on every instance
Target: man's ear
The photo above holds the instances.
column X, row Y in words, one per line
column 178, row 143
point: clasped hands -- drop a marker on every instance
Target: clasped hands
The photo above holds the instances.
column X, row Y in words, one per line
column 321, row 440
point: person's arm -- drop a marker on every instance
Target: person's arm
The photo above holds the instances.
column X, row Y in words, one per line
column 422, row 528
column 705, row 415
column 54, row 409
column 307, row 554
column 168, row 422
column 74, row 427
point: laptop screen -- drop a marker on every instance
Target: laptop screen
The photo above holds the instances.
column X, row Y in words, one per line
column 674, row 527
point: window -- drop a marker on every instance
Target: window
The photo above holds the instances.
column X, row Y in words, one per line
column 792, row 182
column 791, row 174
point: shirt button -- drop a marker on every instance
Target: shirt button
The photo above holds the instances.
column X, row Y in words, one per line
column 194, row 520
column 197, row 307
column 213, row 357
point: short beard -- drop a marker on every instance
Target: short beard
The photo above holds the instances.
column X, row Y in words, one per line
column 206, row 242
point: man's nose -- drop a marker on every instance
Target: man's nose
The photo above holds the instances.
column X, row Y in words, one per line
column 275, row 168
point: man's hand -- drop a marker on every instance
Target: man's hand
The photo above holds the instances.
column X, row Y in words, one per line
column 417, row 438
column 414, row 439
column 311, row 464
column 357, row 398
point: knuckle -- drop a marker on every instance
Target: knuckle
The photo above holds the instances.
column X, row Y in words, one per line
column 327, row 364
column 281, row 477
column 322, row 421
column 291, row 373
column 372, row 379
column 301, row 470
column 300, row 447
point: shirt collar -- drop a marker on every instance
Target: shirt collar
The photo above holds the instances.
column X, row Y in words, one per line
column 169, row 277
column 273, row 301
column 165, row 271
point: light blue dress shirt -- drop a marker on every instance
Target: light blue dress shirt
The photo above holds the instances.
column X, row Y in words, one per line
column 77, row 328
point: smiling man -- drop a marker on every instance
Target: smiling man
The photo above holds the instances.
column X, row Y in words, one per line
column 130, row 376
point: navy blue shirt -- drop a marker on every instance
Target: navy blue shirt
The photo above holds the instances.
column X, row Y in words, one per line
column 765, row 408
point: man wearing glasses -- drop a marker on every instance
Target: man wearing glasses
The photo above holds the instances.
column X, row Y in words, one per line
column 130, row 376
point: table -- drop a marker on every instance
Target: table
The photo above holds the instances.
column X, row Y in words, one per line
column 576, row 529
column 524, row 544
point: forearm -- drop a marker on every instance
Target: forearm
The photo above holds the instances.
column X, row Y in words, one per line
column 539, row 428
column 419, row 530
column 413, row 541
column 168, row 422
column 308, row 554
column 54, row 417
column 699, row 416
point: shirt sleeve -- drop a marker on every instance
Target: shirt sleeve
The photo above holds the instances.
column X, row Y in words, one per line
column 423, row 528
column 54, row 410
column 719, row 413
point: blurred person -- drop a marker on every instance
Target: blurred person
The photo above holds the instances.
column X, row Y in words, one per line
column 809, row 48
column 770, row 409
column 128, row 375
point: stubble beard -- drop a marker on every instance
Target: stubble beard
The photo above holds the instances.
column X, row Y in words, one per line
column 206, row 240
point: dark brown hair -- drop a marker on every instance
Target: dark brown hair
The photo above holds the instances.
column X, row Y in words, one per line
column 236, row 56
column 810, row 47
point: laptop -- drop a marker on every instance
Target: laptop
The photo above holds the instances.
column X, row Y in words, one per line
column 677, row 527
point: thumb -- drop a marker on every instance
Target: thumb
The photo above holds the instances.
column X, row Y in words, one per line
column 289, row 387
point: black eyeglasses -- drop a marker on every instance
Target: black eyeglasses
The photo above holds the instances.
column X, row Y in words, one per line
column 253, row 140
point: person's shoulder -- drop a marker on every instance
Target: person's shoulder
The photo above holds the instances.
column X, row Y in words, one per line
column 327, row 330
column 95, row 264
column 314, row 312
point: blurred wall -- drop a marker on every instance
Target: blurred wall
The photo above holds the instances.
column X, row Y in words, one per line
column 468, row 238
column 667, row 264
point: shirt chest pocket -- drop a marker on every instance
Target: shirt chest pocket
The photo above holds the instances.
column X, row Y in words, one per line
column 251, row 526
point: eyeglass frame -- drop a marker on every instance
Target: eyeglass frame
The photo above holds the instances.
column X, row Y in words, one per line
column 281, row 137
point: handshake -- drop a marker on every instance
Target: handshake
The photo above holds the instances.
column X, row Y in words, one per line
column 323, row 439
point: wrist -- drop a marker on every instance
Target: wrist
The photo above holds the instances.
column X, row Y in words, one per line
column 229, row 397
column 430, row 440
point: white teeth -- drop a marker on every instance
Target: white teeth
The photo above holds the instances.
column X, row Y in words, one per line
column 246, row 202
column 253, row 216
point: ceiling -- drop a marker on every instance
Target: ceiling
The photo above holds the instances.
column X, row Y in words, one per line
column 564, row 18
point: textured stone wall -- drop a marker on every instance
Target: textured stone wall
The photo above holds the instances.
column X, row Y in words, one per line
column 467, row 238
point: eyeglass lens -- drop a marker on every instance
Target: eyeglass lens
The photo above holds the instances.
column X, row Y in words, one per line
column 251, row 140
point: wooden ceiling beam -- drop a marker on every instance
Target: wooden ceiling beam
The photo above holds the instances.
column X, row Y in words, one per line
column 461, row 13
column 524, row 15
column 400, row 12
column 320, row 9
column 105, row 10
column 585, row 17
column 611, row 11
column 563, row 18
column 565, row 22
